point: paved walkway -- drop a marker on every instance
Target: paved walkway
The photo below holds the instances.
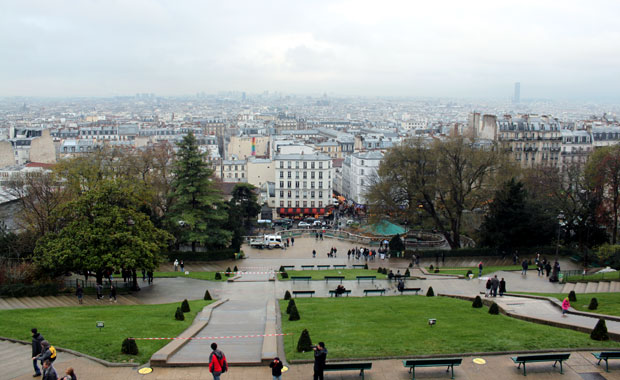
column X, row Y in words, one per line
column 580, row 366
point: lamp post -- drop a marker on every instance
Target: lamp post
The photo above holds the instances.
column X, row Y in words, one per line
column 555, row 274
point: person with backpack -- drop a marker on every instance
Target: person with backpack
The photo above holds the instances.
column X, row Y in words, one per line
column 36, row 350
column 48, row 352
column 217, row 362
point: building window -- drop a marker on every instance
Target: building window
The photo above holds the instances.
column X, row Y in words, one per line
column 362, row 182
column 320, row 165
column 297, row 194
column 305, row 165
column 296, row 164
column 281, row 184
column 281, row 203
column 306, row 175
column 290, row 204
column 288, row 175
column 297, row 184
column 311, row 203
column 281, row 194
column 312, row 165
column 312, row 194
column 312, row 184
column 320, row 194
column 281, row 164
column 320, row 184
column 288, row 194
column 297, row 175
column 289, row 184
column 281, row 174
column 361, row 171
column 289, row 164
column 311, row 175
column 305, row 194
column 320, row 203
column 305, row 203
column 296, row 203
column 320, row 175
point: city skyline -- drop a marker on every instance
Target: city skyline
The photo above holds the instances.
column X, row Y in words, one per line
column 556, row 50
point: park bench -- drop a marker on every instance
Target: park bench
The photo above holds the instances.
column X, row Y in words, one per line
column 296, row 292
column 416, row 290
column 540, row 358
column 307, row 267
column 327, row 278
column 339, row 266
column 348, row 367
column 373, row 278
column 606, row 355
column 288, row 267
column 322, row 266
column 432, row 362
column 358, row 266
column 399, row 276
column 381, row 291
column 301, row 278
column 333, row 292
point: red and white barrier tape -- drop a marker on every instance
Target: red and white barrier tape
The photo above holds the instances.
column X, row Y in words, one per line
column 242, row 272
column 214, row 337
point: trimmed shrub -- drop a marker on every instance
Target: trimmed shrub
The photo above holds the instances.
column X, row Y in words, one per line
column 129, row 347
column 380, row 270
column 572, row 297
column 305, row 343
column 207, row 296
column 294, row 314
column 235, row 269
column 468, row 273
column 494, row 309
column 436, row 270
column 477, row 302
column 218, row 276
column 23, row 290
column 287, row 295
column 282, row 269
column 431, row 267
column 185, row 306
column 291, row 304
column 430, row 292
column 366, row 266
column 600, row 331
column 179, row 315
column 227, row 272
column 593, row 304
column 407, row 273
column 410, row 265
column 284, row 275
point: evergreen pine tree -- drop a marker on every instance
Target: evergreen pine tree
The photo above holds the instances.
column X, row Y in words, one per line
column 600, row 331
column 197, row 213
column 305, row 343
column 228, row 272
column 477, row 302
column 207, row 296
column 178, row 315
column 407, row 273
column 294, row 315
column 185, row 306
column 430, row 292
column 494, row 309
column 218, row 276
column 235, row 269
column 129, row 347
column 593, row 304
column 572, row 297
column 287, row 295
column 291, row 304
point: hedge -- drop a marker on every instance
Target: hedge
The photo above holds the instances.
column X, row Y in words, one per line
column 523, row 252
column 22, row 290
column 211, row 255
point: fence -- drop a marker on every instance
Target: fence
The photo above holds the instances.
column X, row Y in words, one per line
column 92, row 284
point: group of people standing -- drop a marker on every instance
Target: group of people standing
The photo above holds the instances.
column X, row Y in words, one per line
column 493, row 285
column 45, row 354
column 361, row 253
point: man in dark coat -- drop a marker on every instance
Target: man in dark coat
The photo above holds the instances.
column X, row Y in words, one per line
column 494, row 286
column 320, row 355
column 49, row 373
column 36, row 350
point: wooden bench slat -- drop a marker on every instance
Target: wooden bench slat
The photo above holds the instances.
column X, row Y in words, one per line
column 606, row 355
column 523, row 359
column 431, row 362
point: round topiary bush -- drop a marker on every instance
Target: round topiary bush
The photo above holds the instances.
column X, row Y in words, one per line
column 572, row 297
column 179, row 315
column 207, row 296
column 477, row 302
column 129, row 347
column 291, row 303
column 600, row 331
column 593, row 304
column 494, row 309
column 305, row 343
column 185, row 306
column 294, row 314
column 430, row 292
column 228, row 272
column 218, row 276
column 287, row 295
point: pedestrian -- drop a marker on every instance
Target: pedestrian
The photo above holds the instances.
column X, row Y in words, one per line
column 36, row 350
column 276, row 368
column 292, row 241
column 413, row 257
column 316, row 235
column 401, row 285
column 321, row 236
column 143, row 275
column 176, row 265
column 488, row 288
column 524, row 266
column 112, row 293
column 502, row 287
column 69, row 374
column 217, row 362
column 349, row 254
column 494, row 286
column 480, row 269
column 539, row 268
column 565, row 307
column 48, row 352
column 182, row 266
column 320, row 355
column 150, row 276
column 49, row 373
column 548, row 268
column 79, row 293
column 313, row 253
column 287, row 240
column 99, row 291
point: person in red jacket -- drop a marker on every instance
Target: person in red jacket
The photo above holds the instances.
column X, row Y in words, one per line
column 217, row 362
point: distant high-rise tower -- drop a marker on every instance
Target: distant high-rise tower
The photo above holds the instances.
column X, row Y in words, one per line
column 517, row 97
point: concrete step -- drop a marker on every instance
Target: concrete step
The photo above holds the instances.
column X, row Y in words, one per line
column 580, row 287
column 603, row 287
column 15, row 360
column 127, row 300
column 4, row 305
column 591, row 287
column 16, row 303
column 568, row 287
column 44, row 301
column 614, row 286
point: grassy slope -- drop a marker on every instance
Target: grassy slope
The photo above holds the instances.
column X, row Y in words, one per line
column 349, row 274
column 485, row 270
column 608, row 303
column 209, row 276
column 613, row 276
column 75, row 327
column 398, row 326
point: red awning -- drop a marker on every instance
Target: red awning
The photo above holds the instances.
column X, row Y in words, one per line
column 306, row 211
column 321, row 211
column 298, row 211
column 290, row 210
column 282, row 211
column 314, row 211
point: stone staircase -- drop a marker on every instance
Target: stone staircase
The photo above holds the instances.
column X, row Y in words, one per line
column 61, row 301
column 592, row 287
column 16, row 363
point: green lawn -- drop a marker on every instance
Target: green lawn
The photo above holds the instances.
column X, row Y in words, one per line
column 463, row 270
column 75, row 327
column 349, row 274
column 359, row 327
column 612, row 276
column 608, row 303
column 209, row 276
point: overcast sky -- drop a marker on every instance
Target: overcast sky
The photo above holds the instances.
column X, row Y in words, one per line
column 475, row 48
